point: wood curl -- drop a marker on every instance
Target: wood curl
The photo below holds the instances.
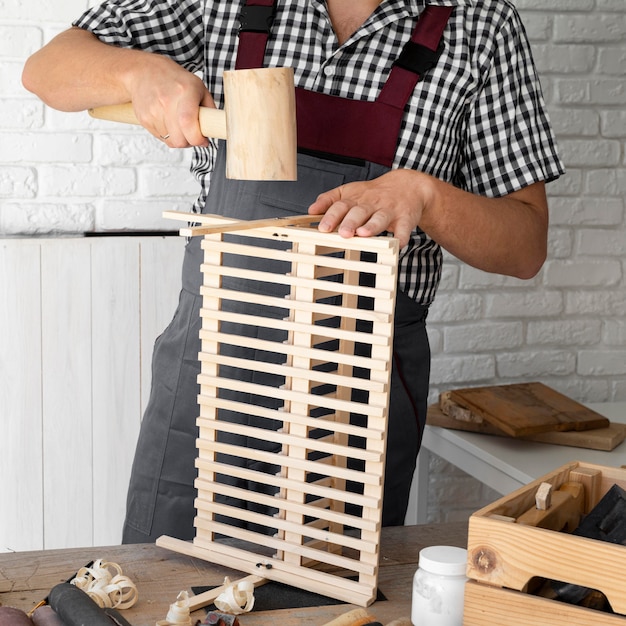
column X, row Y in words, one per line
column 105, row 583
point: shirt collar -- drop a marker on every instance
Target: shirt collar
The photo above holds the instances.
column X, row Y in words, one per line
column 417, row 6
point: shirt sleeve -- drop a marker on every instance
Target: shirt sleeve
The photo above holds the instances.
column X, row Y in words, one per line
column 172, row 28
column 510, row 143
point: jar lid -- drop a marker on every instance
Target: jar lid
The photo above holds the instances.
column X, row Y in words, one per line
column 443, row 560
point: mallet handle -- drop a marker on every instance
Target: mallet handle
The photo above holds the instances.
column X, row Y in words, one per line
column 212, row 121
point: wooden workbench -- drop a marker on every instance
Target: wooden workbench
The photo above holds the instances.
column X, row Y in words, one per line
column 27, row 577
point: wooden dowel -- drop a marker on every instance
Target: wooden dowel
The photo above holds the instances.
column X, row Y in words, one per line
column 234, row 226
column 333, row 241
column 208, row 597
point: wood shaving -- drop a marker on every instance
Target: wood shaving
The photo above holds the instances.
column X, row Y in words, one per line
column 105, row 583
column 237, row 598
column 178, row 614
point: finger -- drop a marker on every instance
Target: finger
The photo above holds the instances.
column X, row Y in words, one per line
column 401, row 231
column 353, row 219
column 334, row 217
column 174, row 137
column 375, row 224
column 324, row 201
column 188, row 119
column 325, row 205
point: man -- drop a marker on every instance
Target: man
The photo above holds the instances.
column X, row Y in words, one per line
column 448, row 151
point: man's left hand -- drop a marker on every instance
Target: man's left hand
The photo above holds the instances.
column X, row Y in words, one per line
column 394, row 202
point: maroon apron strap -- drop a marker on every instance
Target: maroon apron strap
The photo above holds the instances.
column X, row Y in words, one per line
column 335, row 126
column 418, row 56
column 256, row 20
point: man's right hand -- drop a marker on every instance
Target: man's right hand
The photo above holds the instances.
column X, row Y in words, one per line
column 76, row 71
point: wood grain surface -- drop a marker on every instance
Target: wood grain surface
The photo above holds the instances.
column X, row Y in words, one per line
column 27, row 577
column 527, row 408
column 596, row 439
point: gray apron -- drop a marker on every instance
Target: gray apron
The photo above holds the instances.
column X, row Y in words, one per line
column 161, row 492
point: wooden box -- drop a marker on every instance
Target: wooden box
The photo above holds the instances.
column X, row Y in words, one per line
column 505, row 558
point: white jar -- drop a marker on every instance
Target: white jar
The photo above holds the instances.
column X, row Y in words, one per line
column 439, row 587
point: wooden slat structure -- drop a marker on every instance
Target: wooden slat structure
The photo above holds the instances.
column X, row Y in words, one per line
column 294, row 389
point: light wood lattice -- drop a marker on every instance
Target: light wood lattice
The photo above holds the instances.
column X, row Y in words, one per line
column 297, row 331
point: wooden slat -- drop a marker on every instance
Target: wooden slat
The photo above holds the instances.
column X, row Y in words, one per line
column 287, row 462
column 317, row 355
column 330, row 240
column 21, row 462
column 313, row 488
column 371, row 410
column 305, row 530
column 286, row 439
column 326, row 286
column 321, row 332
column 269, row 542
column 116, row 376
column 319, row 581
column 317, row 509
column 323, row 423
column 291, row 304
column 310, row 375
column 329, row 259
column 67, row 393
column 492, row 606
column 238, row 225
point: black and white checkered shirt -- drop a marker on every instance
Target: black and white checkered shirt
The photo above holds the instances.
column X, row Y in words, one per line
column 477, row 120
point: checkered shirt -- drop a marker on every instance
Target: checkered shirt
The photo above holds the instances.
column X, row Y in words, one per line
column 477, row 120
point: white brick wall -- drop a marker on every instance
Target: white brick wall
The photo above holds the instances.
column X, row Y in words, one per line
column 66, row 173
column 565, row 327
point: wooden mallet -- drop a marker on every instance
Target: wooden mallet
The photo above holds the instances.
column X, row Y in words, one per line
column 258, row 121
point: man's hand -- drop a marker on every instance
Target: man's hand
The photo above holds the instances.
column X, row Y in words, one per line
column 505, row 235
column 394, row 202
column 166, row 99
column 76, row 71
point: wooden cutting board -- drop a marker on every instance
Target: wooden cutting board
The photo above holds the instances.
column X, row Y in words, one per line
column 597, row 439
column 527, row 408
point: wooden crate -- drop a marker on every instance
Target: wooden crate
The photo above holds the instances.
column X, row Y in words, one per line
column 504, row 557
column 331, row 339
